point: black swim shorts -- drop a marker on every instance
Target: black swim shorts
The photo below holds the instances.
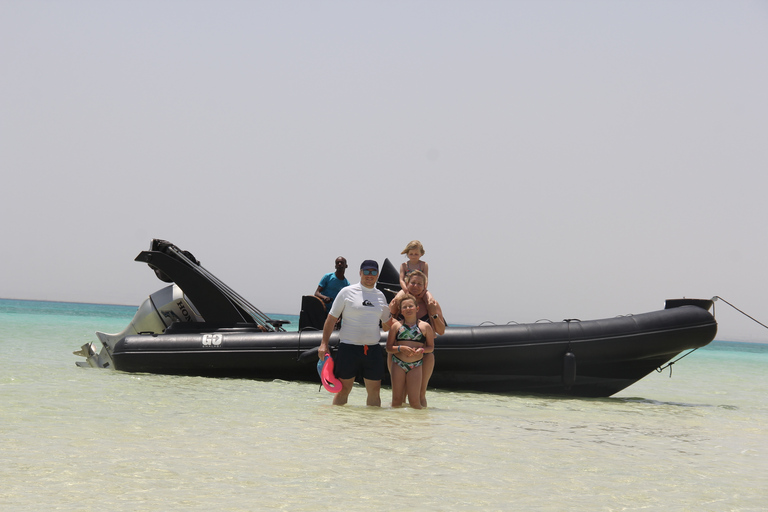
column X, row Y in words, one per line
column 352, row 360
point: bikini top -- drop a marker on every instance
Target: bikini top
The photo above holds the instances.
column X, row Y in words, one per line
column 412, row 333
column 408, row 268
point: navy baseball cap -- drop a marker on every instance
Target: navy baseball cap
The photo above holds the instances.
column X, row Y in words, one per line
column 369, row 265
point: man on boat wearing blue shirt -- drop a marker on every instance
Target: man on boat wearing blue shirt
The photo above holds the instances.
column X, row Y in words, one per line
column 332, row 283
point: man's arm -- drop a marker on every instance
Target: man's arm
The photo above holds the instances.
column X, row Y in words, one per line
column 320, row 295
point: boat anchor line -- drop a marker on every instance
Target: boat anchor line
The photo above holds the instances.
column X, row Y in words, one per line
column 714, row 299
column 669, row 364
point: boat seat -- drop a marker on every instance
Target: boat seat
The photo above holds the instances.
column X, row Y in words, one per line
column 312, row 314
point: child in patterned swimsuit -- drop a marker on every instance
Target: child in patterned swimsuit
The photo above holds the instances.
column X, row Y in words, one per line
column 408, row 341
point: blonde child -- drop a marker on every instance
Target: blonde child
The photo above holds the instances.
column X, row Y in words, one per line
column 407, row 342
column 414, row 251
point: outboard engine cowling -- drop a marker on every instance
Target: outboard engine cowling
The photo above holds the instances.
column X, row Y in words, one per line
column 155, row 314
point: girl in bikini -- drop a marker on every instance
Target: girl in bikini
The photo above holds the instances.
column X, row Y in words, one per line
column 414, row 250
column 407, row 342
column 429, row 311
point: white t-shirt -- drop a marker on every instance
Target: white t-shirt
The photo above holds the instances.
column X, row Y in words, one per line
column 363, row 308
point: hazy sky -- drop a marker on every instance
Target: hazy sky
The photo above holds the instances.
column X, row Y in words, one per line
column 558, row 159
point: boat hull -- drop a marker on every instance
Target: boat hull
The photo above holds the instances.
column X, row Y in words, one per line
column 595, row 358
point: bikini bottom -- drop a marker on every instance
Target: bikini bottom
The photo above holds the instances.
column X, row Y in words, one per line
column 407, row 366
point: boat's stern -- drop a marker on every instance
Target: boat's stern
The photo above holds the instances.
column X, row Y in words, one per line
column 155, row 314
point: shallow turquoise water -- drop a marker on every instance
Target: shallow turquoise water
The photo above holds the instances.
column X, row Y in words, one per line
column 87, row 439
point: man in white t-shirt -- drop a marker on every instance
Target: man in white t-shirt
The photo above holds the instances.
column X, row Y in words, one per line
column 359, row 351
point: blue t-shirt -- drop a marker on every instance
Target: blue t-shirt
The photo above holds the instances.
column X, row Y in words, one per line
column 330, row 285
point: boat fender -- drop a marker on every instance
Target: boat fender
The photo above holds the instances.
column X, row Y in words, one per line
column 569, row 370
column 329, row 380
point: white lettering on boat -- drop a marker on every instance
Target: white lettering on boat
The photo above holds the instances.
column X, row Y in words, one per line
column 212, row 340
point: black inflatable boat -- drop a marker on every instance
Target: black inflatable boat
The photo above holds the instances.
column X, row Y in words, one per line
column 200, row 326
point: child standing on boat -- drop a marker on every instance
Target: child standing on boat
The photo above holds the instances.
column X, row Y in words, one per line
column 407, row 342
column 414, row 251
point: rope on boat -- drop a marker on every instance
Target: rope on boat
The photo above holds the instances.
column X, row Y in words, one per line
column 669, row 365
column 568, row 323
column 716, row 298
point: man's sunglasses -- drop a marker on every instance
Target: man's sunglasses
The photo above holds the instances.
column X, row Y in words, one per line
column 370, row 272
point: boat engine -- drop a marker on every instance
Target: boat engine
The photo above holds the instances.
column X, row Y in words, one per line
column 155, row 314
